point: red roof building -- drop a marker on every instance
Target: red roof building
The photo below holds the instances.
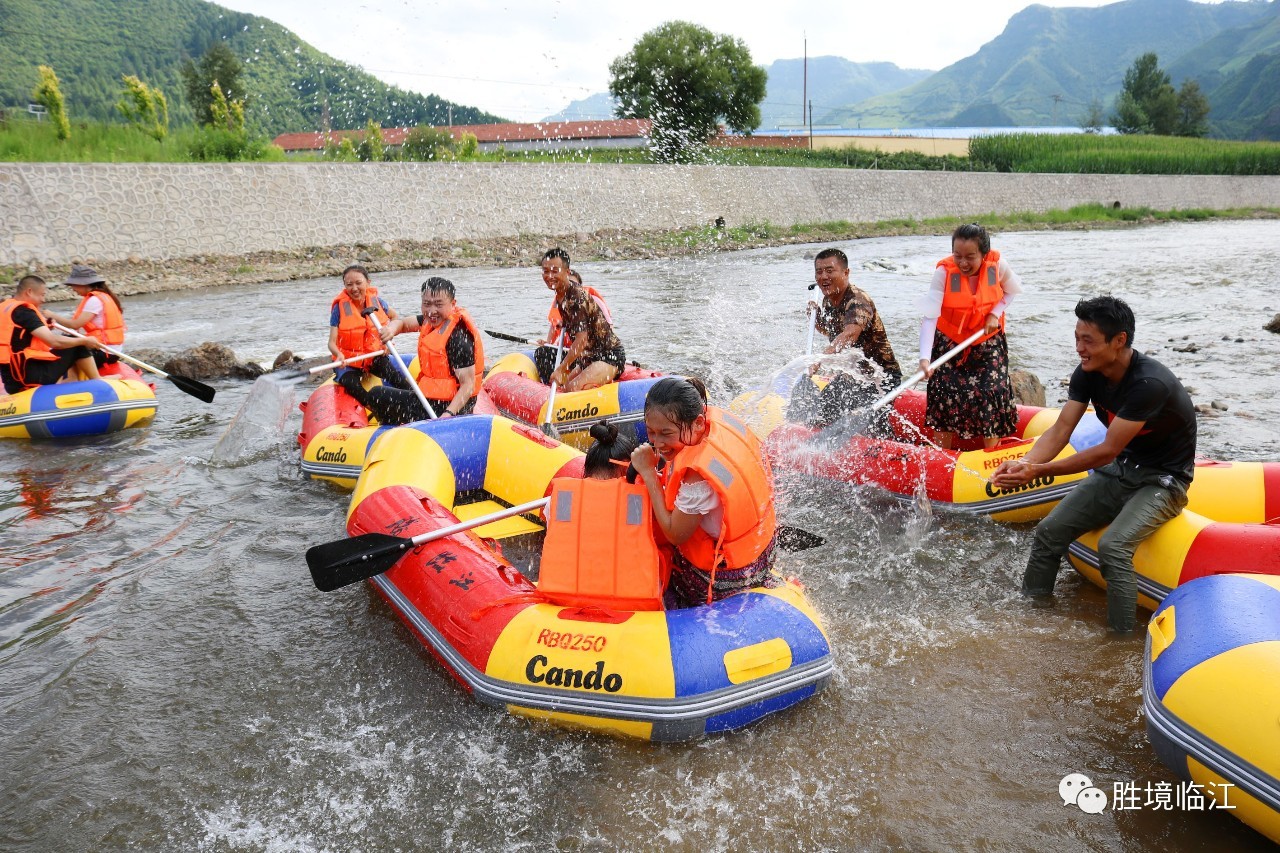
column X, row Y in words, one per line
column 561, row 135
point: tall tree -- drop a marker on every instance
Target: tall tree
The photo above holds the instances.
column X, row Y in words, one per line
column 1147, row 102
column 218, row 65
column 1193, row 110
column 687, row 79
column 49, row 94
column 144, row 106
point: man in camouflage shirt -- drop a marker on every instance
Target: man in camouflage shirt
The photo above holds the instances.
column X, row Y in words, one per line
column 850, row 321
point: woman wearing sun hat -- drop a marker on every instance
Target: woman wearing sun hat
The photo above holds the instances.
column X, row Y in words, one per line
column 99, row 314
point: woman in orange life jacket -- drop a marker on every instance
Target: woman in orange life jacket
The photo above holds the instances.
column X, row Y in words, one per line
column 594, row 355
column 99, row 314
column 971, row 395
column 450, row 360
column 31, row 353
column 351, row 333
column 714, row 501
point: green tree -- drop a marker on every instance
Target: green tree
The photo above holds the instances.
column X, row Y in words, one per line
column 224, row 113
column 1147, row 102
column 372, row 149
column 1094, row 118
column 49, row 94
column 1193, row 110
column 144, row 106
column 218, row 65
column 687, row 79
column 426, row 144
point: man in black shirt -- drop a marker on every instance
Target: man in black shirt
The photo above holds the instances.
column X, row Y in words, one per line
column 450, row 360
column 1141, row 470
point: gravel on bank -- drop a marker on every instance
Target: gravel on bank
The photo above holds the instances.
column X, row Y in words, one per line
column 138, row 275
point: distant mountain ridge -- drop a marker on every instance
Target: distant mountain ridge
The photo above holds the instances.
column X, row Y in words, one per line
column 291, row 85
column 1050, row 64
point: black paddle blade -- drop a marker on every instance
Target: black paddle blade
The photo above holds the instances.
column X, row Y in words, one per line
column 199, row 390
column 503, row 336
column 797, row 539
column 346, row 561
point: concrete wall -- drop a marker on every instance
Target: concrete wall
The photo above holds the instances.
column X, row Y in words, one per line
column 58, row 212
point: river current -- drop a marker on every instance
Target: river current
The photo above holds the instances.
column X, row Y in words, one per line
column 170, row 679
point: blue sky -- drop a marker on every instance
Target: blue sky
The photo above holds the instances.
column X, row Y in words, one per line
column 527, row 60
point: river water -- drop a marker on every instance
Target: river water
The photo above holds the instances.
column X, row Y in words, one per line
column 170, row 679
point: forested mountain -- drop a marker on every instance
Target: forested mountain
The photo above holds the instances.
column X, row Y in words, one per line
column 290, row 85
column 1050, row 64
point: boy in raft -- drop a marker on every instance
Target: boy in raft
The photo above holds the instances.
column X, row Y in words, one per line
column 450, row 360
column 849, row 319
column 714, row 499
column 1141, row 470
column 32, row 353
column 352, row 333
column 594, row 356
column 99, row 314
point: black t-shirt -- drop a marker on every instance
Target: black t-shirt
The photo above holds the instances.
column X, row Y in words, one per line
column 460, row 349
column 1150, row 393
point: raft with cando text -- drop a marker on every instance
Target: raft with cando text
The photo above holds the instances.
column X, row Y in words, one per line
column 120, row 400
column 662, row 675
column 906, row 466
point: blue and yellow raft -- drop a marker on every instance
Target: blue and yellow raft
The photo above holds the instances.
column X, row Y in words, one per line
column 69, row 409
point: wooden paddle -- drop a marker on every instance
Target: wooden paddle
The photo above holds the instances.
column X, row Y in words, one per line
column 196, row 389
column 345, row 561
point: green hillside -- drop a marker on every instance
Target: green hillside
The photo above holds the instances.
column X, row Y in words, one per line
column 833, row 81
column 1049, row 64
column 91, row 43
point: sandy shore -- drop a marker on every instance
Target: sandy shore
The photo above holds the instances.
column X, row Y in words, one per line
column 138, row 275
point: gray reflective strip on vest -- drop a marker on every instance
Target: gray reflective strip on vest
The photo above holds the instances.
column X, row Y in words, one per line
column 721, row 473
column 635, row 510
column 564, row 507
column 955, row 282
column 991, row 275
column 730, row 420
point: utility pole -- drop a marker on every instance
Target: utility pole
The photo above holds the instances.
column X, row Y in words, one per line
column 811, row 125
column 1056, row 100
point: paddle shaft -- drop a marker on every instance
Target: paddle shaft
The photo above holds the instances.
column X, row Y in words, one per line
column 343, row 362
column 117, row 353
column 404, row 368
column 479, row 521
column 919, row 374
column 551, row 398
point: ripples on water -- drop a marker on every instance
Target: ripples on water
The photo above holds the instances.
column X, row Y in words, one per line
column 170, row 679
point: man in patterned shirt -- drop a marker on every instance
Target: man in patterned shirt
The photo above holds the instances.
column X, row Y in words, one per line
column 849, row 319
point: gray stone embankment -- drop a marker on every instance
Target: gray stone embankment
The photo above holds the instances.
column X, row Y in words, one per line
column 151, row 227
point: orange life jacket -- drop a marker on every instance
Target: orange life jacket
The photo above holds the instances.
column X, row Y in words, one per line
column 112, row 330
column 557, row 322
column 435, row 376
column 32, row 349
column 599, row 550
column 730, row 459
column 356, row 334
column 964, row 311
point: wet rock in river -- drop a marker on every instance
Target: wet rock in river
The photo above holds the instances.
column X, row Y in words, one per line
column 1274, row 325
column 1027, row 389
column 211, row 361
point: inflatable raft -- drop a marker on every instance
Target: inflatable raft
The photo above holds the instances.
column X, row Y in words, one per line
column 511, row 389
column 335, row 436
column 1231, row 523
column 653, row 674
column 955, row 480
column 115, row 402
column 1211, row 691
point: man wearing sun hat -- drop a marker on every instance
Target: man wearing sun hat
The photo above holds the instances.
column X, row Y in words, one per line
column 99, row 314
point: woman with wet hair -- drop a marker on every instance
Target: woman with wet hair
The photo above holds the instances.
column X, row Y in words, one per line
column 610, row 452
column 971, row 395
column 711, row 493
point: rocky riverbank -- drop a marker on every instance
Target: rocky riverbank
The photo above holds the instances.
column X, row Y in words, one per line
column 139, row 275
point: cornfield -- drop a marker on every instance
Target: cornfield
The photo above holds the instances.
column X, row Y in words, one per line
column 1123, row 155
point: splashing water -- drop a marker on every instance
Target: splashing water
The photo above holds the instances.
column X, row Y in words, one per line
column 259, row 425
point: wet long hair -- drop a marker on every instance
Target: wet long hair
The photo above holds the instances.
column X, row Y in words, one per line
column 106, row 288
column 609, row 446
column 355, row 268
column 975, row 232
column 681, row 400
